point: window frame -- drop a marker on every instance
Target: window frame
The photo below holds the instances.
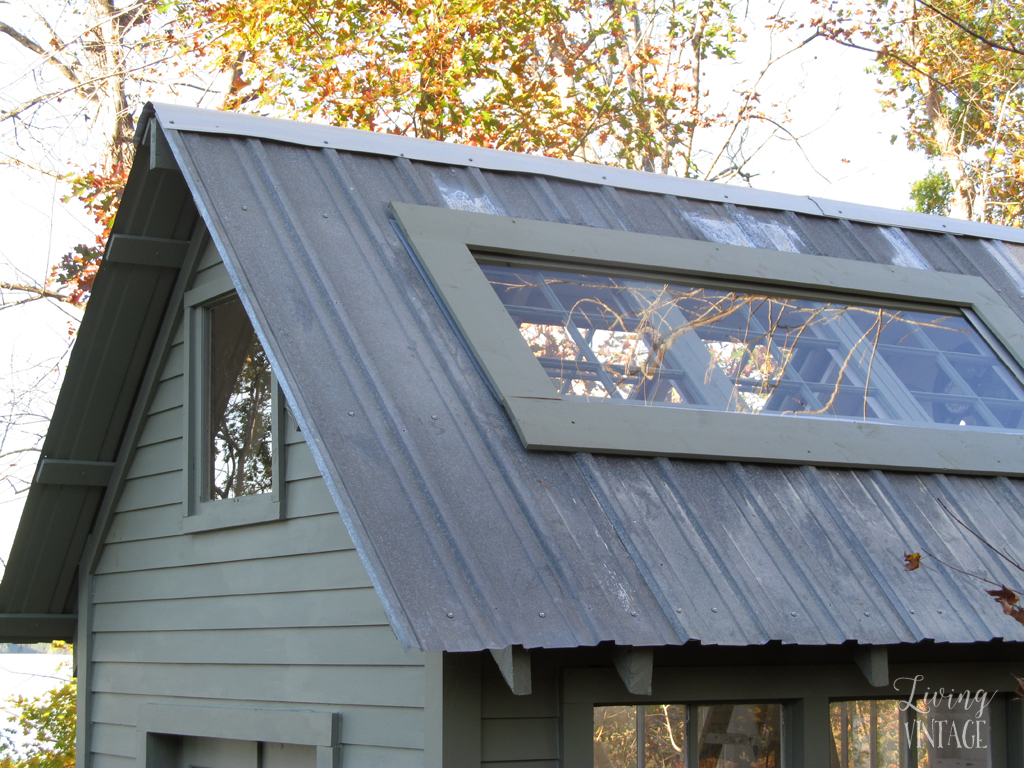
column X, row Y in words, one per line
column 203, row 514
column 443, row 241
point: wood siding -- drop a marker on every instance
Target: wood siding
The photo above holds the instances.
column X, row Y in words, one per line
column 519, row 731
column 278, row 614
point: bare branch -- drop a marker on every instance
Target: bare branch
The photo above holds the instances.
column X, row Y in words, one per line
column 37, row 292
column 33, row 46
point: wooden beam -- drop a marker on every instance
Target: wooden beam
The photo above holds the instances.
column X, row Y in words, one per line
column 37, row 627
column 160, row 154
column 636, row 668
column 514, row 663
column 146, row 251
column 873, row 661
column 72, row 472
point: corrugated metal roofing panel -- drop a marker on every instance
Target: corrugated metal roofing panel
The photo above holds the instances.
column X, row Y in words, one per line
column 442, row 153
column 474, row 542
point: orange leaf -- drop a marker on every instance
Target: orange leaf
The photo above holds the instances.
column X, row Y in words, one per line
column 913, row 562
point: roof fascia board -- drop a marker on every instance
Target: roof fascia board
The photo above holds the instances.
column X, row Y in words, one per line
column 179, row 118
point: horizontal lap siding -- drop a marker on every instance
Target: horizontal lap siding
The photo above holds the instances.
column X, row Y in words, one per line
column 278, row 615
column 518, row 731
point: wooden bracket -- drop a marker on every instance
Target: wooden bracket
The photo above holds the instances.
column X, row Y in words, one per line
column 71, row 472
column 873, row 661
column 636, row 668
column 514, row 663
column 146, row 251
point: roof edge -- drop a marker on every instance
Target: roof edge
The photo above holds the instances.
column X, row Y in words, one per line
column 192, row 119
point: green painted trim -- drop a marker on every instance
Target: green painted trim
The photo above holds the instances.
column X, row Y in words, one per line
column 73, row 472
column 37, row 627
column 202, row 514
column 451, row 716
column 805, row 690
column 146, row 251
column 444, row 240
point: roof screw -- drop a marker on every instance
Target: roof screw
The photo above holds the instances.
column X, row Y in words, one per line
column 940, row 612
column 867, row 613
column 679, row 610
column 451, row 615
column 792, row 613
column 632, row 613
column 714, row 610
column 351, row 413
column 325, row 141
column 325, row 215
column 541, row 614
column 911, row 611
column 245, row 208
column 171, row 122
column 434, row 417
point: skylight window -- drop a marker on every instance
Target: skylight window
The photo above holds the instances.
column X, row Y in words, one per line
column 603, row 341
column 619, row 340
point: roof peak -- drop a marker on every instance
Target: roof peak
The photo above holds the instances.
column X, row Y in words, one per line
column 192, row 119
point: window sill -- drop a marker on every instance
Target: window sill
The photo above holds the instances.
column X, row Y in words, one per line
column 233, row 513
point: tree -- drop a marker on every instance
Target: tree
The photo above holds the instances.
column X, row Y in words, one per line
column 47, row 722
column 614, row 82
column 957, row 69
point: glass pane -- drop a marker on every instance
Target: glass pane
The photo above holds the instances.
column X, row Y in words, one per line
column 615, row 737
column 654, row 343
column 740, row 736
column 239, row 399
column 953, row 735
column 665, row 736
column 866, row 734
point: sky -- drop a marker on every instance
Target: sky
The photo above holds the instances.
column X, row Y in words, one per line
column 835, row 109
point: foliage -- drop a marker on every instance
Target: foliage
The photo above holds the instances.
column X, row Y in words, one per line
column 617, row 82
column 932, row 193
column 953, row 67
column 48, row 724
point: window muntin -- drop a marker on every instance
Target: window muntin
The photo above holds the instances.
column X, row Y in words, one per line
column 239, row 439
column 720, row 735
column 657, row 343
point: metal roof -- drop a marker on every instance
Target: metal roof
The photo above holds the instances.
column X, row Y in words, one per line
column 474, row 542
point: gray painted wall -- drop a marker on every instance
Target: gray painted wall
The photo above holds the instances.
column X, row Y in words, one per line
column 277, row 614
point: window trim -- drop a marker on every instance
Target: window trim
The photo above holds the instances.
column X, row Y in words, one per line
column 442, row 241
column 201, row 514
column 806, row 692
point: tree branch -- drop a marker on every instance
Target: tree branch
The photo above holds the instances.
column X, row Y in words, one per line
column 973, row 33
column 33, row 46
column 35, row 290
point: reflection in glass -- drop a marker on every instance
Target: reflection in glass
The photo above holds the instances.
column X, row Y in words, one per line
column 725, row 736
column 620, row 340
column 740, row 736
column 888, row 734
column 239, row 440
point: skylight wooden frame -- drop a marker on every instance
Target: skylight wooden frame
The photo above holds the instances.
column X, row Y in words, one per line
column 444, row 241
